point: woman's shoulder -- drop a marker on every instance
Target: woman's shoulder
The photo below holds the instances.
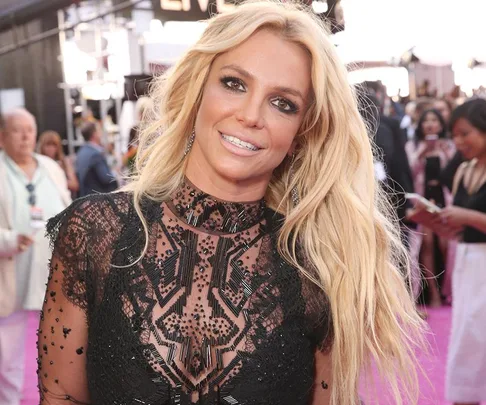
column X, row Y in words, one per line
column 92, row 213
column 463, row 168
column 103, row 203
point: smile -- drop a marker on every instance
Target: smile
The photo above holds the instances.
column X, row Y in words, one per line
column 239, row 143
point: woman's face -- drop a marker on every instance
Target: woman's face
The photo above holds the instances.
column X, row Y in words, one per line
column 252, row 107
column 431, row 124
column 50, row 149
column 469, row 140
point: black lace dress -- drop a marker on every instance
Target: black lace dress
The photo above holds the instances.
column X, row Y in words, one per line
column 211, row 315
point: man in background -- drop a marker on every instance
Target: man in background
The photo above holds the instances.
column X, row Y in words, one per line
column 92, row 168
column 388, row 136
column 33, row 188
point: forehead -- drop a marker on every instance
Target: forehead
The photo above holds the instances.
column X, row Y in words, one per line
column 431, row 116
column 17, row 120
column 462, row 124
column 272, row 59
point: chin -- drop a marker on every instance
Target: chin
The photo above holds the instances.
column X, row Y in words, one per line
column 235, row 174
column 234, row 171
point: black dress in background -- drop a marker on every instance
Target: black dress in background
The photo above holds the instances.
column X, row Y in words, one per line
column 211, row 315
column 433, row 190
column 476, row 202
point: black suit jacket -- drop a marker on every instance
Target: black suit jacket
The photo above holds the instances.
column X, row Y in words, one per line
column 93, row 172
column 389, row 139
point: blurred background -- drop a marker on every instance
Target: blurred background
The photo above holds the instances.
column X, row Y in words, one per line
column 66, row 60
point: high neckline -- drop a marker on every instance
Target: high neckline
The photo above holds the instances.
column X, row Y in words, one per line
column 201, row 210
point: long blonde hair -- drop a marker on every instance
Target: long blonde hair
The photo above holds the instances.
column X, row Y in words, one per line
column 352, row 249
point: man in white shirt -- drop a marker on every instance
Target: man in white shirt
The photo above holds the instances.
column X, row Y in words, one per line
column 33, row 188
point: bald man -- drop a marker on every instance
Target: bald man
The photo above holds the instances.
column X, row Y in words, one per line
column 32, row 189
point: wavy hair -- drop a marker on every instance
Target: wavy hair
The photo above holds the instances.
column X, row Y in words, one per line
column 51, row 137
column 352, row 249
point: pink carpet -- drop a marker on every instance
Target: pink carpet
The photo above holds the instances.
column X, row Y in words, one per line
column 433, row 363
column 431, row 393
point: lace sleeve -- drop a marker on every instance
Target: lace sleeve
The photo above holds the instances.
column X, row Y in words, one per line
column 62, row 335
column 318, row 309
column 319, row 312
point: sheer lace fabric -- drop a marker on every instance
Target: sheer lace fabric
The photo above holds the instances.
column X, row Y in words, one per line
column 210, row 315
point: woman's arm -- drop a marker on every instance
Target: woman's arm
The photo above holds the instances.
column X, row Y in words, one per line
column 62, row 346
column 477, row 220
column 323, row 378
column 458, row 216
column 129, row 154
column 63, row 329
column 72, row 179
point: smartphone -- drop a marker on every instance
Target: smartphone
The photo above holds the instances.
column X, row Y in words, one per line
column 418, row 199
column 431, row 137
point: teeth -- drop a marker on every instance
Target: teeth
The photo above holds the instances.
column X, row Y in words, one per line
column 239, row 142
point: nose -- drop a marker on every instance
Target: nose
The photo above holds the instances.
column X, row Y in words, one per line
column 25, row 133
column 250, row 113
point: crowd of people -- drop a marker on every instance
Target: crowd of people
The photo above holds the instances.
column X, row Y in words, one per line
column 37, row 182
column 444, row 144
column 252, row 257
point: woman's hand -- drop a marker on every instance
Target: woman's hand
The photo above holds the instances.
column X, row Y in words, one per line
column 438, row 222
column 427, row 148
column 455, row 216
column 423, row 149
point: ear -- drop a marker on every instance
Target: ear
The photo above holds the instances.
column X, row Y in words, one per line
column 292, row 148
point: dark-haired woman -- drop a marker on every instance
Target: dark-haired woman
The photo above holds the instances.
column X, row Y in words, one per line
column 466, row 367
column 428, row 153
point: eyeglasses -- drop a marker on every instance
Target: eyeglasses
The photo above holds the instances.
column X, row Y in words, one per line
column 31, row 189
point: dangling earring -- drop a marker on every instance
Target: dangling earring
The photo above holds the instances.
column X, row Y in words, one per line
column 294, row 192
column 190, row 142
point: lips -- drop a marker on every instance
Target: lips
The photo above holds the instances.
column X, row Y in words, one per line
column 240, row 143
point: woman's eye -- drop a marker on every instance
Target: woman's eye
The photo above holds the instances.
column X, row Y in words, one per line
column 284, row 105
column 233, row 84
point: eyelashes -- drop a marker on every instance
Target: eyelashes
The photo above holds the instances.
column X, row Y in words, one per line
column 237, row 85
column 233, row 84
column 285, row 105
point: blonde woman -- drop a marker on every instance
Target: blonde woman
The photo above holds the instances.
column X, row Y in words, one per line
column 49, row 144
column 249, row 261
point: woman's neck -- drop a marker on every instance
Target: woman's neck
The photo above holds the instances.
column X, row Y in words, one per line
column 481, row 161
column 224, row 188
column 199, row 209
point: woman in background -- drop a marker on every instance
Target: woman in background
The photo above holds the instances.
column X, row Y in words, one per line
column 466, row 366
column 427, row 154
column 49, row 144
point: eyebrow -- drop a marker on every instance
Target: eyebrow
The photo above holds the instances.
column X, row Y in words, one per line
column 248, row 75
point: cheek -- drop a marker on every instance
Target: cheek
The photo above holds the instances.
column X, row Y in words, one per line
column 215, row 105
column 482, row 143
column 283, row 129
column 282, row 140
